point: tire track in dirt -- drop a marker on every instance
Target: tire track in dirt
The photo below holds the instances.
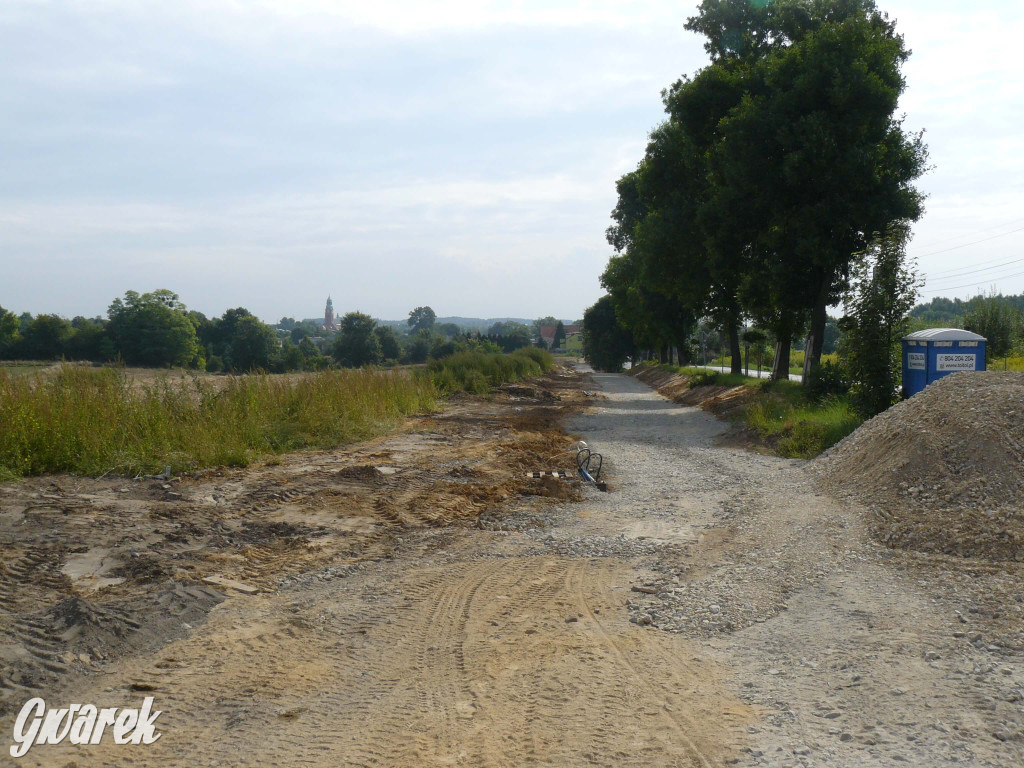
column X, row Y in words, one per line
column 685, row 728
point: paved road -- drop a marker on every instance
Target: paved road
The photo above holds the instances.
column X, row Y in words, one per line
column 763, row 374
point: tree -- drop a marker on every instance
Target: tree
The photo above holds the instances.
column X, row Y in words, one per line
column 152, row 329
column 995, row 319
column 421, row 319
column 606, row 343
column 884, row 289
column 356, row 344
column 419, row 349
column 9, row 332
column 556, row 343
column 753, row 338
column 812, row 155
column 308, row 348
column 252, row 344
column 218, row 334
column 390, row 348
column 510, row 335
column 776, row 164
column 89, row 341
column 45, row 338
column 289, row 357
column 449, row 330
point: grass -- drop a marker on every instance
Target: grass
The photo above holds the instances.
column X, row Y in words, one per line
column 700, row 377
column 94, row 421
column 1007, row 364
column 23, row 367
column 477, row 372
column 780, row 413
column 795, row 426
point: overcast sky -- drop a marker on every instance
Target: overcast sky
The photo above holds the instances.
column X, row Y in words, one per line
column 459, row 154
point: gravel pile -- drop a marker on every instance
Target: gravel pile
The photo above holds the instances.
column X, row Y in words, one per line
column 944, row 470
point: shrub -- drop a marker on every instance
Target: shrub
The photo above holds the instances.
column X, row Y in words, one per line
column 827, row 379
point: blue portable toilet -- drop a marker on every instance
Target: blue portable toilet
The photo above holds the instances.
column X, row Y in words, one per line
column 930, row 354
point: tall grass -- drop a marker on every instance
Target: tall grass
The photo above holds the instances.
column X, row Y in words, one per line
column 477, row 372
column 797, row 427
column 90, row 421
column 93, row 421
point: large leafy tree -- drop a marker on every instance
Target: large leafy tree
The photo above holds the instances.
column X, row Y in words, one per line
column 9, row 331
column 685, row 260
column 390, row 347
column 152, row 329
column 777, row 163
column 357, row 344
column 421, row 319
column 884, row 288
column 812, row 157
column 46, row 338
column 253, row 344
column 606, row 343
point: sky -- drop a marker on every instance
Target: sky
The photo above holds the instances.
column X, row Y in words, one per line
column 392, row 154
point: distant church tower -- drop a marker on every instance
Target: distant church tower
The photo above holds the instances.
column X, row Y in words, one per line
column 329, row 316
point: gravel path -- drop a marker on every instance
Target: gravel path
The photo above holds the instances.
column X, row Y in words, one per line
column 855, row 654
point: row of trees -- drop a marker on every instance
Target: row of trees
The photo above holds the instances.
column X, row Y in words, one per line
column 1000, row 319
column 157, row 329
column 779, row 167
column 154, row 329
column 942, row 312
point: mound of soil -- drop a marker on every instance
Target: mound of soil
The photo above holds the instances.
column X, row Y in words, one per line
column 363, row 472
column 719, row 399
column 944, row 470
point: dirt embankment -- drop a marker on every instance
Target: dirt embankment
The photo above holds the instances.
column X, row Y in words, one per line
column 943, row 471
column 719, row 399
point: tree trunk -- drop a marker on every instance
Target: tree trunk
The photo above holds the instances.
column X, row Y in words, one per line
column 780, row 368
column 816, row 338
column 734, row 348
column 683, row 353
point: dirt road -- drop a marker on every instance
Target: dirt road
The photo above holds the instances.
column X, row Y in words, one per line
column 711, row 609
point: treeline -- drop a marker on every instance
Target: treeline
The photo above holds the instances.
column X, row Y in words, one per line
column 1000, row 319
column 778, row 183
column 953, row 313
column 157, row 330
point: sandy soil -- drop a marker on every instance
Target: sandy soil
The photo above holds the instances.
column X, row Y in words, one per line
column 416, row 601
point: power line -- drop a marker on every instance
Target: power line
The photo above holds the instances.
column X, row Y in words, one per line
column 971, row 285
column 964, row 272
column 975, row 242
column 971, row 234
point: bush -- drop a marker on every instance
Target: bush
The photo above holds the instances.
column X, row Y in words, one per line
column 827, row 379
column 798, row 429
column 477, row 372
